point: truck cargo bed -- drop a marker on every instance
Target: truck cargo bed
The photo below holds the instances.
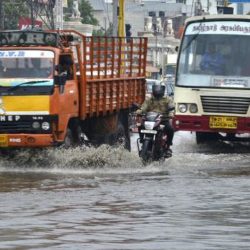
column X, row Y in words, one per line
column 111, row 73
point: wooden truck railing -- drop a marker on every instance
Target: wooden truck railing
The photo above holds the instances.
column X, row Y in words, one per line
column 112, row 72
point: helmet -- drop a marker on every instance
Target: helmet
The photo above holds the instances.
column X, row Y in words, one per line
column 158, row 90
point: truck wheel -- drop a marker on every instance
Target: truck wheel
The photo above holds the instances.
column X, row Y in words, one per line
column 69, row 140
column 122, row 138
column 76, row 135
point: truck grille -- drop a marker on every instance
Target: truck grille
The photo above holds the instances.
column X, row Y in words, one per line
column 19, row 127
column 15, row 127
column 221, row 104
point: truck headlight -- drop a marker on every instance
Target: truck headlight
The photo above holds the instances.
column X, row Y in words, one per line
column 193, row 108
column 36, row 125
column 182, row 107
column 45, row 126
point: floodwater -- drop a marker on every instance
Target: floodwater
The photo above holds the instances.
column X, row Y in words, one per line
column 105, row 199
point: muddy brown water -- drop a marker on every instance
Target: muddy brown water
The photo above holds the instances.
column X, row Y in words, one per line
column 105, row 199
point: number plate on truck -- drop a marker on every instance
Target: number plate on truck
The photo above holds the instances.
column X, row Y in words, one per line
column 223, row 122
column 3, row 141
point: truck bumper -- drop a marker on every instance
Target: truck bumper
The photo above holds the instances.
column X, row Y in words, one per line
column 201, row 124
column 26, row 140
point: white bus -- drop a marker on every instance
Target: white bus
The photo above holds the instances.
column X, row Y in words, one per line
column 212, row 92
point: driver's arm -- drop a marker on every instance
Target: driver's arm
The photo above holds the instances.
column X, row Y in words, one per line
column 144, row 108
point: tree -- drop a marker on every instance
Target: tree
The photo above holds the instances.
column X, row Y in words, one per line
column 11, row 12
column 86, row 11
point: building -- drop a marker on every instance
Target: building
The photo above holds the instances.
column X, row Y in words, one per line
column 159, row 20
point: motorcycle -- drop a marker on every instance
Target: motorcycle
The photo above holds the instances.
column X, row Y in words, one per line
column 152, row 144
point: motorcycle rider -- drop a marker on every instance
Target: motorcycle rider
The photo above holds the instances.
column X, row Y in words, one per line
column 161, row 104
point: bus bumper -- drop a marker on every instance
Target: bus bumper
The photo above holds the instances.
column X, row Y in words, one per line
column 202, row 124
column 26, row 140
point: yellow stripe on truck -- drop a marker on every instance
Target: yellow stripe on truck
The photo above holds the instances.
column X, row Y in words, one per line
column 25, row 104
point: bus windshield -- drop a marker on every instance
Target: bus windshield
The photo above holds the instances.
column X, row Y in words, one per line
column 215, row 54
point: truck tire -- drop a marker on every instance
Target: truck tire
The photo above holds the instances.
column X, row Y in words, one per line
column 121, row 138
column 68, row 140
column 124, row 128
column 76, row 134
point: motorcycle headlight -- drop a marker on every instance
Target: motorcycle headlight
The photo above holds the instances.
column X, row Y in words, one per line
column 36, row 125
column 149, row 125
column 193, row 108
column 182, row 107
column 45, row 126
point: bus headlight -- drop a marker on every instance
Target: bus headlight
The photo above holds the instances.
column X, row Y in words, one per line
column 45, row 126
column 193, row 108
column 182, row 107
column 36, row 125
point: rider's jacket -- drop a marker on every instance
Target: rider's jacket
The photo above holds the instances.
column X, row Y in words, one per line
column 158, row 105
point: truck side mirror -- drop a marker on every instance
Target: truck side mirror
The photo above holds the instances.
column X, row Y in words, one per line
column 60, row 80
column 176, row 48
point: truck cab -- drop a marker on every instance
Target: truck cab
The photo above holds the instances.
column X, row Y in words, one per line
column 39, row 89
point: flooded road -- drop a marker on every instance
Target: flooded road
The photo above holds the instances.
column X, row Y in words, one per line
column 105, row 199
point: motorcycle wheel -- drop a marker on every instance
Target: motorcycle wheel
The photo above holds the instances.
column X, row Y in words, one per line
column 158, row 152
column 145, row 151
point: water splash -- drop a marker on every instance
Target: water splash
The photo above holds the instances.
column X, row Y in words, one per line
column 73, row 158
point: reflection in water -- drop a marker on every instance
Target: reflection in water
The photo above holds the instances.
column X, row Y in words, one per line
column 104, row 198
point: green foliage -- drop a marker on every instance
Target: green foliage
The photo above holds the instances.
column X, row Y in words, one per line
column 86, row 11
column 13, row 10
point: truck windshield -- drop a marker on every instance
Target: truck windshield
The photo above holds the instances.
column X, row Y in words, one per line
column 215, row 54
column 26, row 64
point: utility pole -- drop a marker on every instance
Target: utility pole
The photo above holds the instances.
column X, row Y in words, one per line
column 121, row 24
column 118, row 18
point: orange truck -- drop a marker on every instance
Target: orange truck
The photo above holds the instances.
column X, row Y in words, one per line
column 58, row 87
